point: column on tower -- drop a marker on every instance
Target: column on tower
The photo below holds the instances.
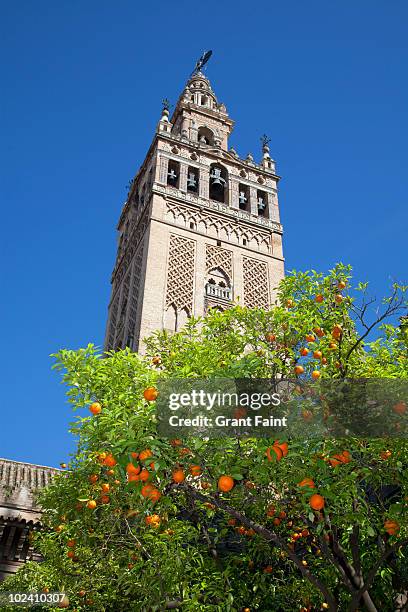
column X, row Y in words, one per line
column 204, row 182
column 253, row 200
column 234, row 189
column 183, row 177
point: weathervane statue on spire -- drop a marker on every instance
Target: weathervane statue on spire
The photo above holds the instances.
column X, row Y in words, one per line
column 202, row 61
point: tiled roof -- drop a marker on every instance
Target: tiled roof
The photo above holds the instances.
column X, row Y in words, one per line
column 13, row 474
column 18, row 484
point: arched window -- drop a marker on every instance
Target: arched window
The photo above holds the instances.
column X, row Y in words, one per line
column 205, row 136
column 218, row 183
column 218, row 285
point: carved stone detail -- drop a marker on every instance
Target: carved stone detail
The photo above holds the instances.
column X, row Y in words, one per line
column 256, row 286
column 180, row 273
column 216, row 257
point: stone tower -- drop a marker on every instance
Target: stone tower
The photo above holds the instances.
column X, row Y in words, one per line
column 200, row 228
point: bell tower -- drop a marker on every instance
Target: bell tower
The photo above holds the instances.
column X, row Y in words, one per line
column 200, row 228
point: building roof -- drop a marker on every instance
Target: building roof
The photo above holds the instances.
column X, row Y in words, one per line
column 18, row 483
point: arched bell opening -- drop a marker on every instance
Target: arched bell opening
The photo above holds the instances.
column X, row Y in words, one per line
column 193, row 177
column 243, row 197
column 218, row 183
column 262, row 200
column 173, row 174
column 205, row 136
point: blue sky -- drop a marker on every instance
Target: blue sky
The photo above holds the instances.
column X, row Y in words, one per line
column 82, row 84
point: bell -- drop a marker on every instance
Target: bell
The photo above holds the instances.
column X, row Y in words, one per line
column 242, row 198
column 261, row 205
column 191, row 181
column 172, row 175
column 217, row 178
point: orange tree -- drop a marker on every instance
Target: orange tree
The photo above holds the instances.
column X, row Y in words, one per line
column 142, row 522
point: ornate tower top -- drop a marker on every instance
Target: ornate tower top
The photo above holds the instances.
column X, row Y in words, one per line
column 200, row 228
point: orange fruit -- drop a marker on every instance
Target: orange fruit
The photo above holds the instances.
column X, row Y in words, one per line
column 144, row 475
column 71, row 543
column 176, row 442
column 315, row 374
column 276, row 521
column 319, row 298
column 317, row 354
column 299, row 370
column 63, row 466
column 337, row 331
column 239, row 413
column 153, row 520
column 225, row 483
column 82, row 593
column 338, row 298
column 318, row 331
column 341, row 285
column 317, row 501
column 391, row 527
column 102, row 457
column 307, row 482
column 93, row 478
column 132, row 469
column 270, row 511
column 332, row 346
column 178, row 476
column 109, row 460
column 307, row 415
column 105, row 487
column 232, row 521
column 324, row 361
column 105, row 499
column 304, row 351
column 156, row 360
column 270, row 337
column 282, row 514
column 134, row 455
column 310, row 338
column 278, row 452
column 145, row 454
column 71, row 554
column 268, row 569
column 290, row 303
column 400, row 408
column 386, row 454
column 283, row 446
column 150, row 394
column 195, row 470
column 91, row 504
column 95, row 408
column 150, row 492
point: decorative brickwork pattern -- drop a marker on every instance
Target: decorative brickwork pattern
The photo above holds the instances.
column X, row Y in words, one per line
column 134, row 297
column 256, row 289
column 216, row 257
column 180, row 274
